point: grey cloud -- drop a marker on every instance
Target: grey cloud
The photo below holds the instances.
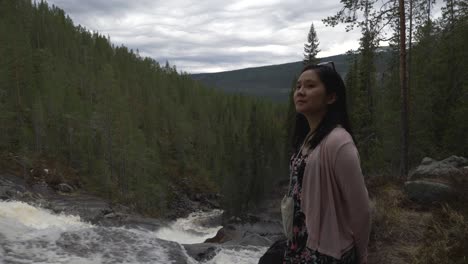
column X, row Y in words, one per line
column 209, row 34
column 85, row 8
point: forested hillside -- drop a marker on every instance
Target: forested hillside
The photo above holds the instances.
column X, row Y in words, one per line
column 274, row 82
column 131, row 129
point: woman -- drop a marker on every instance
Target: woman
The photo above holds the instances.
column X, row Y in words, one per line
column 331, row 221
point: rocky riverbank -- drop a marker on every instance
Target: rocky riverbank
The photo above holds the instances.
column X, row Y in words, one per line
column 72, row 201
column 403, row 212
column 250, row 233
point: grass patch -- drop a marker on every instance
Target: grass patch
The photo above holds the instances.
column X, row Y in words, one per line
column 397, row 227
column 446, row 240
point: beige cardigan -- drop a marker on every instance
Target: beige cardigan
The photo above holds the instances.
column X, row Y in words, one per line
column 335, row 199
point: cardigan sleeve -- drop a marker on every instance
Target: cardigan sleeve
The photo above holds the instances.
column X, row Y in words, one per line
column 356, row 200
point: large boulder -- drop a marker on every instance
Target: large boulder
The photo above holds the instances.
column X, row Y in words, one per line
column 436, row 181
column 202, row 252
column 428, row 192
column 274, row 254
column 225, row 234
column 456, row 161
column 256, row 232
column 444, row 170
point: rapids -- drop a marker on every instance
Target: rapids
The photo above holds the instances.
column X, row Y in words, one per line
column 31, row 234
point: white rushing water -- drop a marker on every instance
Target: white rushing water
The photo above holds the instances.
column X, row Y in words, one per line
column 191, row 230
column 30, row 234
column 247, row 255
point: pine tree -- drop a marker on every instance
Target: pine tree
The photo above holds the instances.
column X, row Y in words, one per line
column 404, row 91
column 311, row 47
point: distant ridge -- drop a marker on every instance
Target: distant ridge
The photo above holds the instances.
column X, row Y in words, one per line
column 273, row 81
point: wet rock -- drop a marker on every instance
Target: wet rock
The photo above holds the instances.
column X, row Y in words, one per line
column 42, row 188
column 185, row 203
column 140, row 222
column 131, row 248
column 274, row 254
column 253, row 240
column 88, row 207
column 255, row 225
column 111, row 215
column 11, row 188
column 225, row 234
column 65, row 188
column 202, row 252
column 214, row 219
column 6, row 193
column 257, row 233
column 428, row 192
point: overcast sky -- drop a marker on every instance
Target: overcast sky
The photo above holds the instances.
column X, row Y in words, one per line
column 213, row 35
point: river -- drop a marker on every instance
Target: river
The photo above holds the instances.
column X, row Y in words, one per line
column 31, row 234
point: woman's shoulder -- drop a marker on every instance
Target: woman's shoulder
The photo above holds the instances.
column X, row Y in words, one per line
column 337, row 138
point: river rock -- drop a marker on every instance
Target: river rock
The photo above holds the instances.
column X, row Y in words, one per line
column 445, row 169
column 257, row 233
column 268, row 228
column 6, row 193
column 252, row 240
column 427, row 192
column 225, row 234
column 274, row 254
column 132, row 246
column 90, row 208
column 11, row 187
column 140, row 222
column 65, row 188
column 202, row 252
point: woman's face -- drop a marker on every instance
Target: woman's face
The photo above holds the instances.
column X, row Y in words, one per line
column 310, row 96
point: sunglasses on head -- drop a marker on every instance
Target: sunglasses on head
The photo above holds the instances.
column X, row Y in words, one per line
column 330, row 64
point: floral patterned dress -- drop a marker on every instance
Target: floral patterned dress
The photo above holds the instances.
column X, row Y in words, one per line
column 296, row 250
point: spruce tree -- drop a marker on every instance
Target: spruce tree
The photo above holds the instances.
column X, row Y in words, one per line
column 311, row 47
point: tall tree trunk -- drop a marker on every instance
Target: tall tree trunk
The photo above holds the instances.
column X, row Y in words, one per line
column 404, row 93
column 428, row 10
column 369, row 63
column 410, row 47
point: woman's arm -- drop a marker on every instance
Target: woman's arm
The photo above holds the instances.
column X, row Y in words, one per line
column 356, row 200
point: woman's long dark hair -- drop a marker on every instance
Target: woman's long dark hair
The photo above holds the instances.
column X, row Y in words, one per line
column 337, row 113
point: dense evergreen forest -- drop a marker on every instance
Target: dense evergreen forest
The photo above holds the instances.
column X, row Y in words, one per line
column 131, row 129
column 134, row 130
column 437, row 69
